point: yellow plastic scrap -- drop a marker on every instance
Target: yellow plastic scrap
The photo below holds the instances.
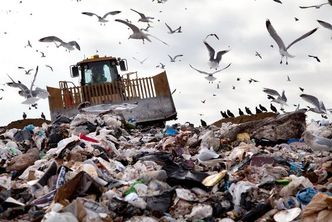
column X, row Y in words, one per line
column 243, row 137
column 212, row 180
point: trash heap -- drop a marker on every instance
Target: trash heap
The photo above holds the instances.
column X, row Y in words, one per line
column 101, row 168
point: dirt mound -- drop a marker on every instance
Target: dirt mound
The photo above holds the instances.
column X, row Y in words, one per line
column 20, row 124
column 244, row 118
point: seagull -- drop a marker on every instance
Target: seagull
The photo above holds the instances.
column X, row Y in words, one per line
column 137, row 33
column 317, row 143
column 210, row 76
column 147, row 28
column 325, row 24
column 172, row 31
column 314, row 6
column 43, row 116
column 24, row 115
column 50, row 67
column 27, row 72
column 161, row 65
column 203, row 123
column 32, row 96
column 319, row 105
column 302, row 89
column 252, row 80
column 258, row 54
column 174, row 58
column 68, row 45
column 282, row 48
column 102, row 19
column 203, row 101
column 214, row 61
column 315, row 57
column 296, row 19
column 241, row 113
column 229, row 113
column 143, row 17
column 28, row 45
column 140, row 61
column 262, row 108
column 212, row 34
column 281, row 99
column 288, row 79
column 248, row 111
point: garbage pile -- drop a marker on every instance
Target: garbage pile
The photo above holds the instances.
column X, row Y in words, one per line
column 102, row 168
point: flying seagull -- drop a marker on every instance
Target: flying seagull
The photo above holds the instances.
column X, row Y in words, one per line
column 319, row 105
column 210, row 76
column 143, row 17
column 212, row 34
column 28, row 45
column 288, row 79
column 252, row 80
column 282, row 48
column 140, row 61
column 31, row 95
column 50, row 67
column 174, row 57
column 101, row 19
column 315, row 57
column 161, row 65
column 278, row 1
column 137, row 33
column 27, row 71
column 258, row 54
column 325, row 25
column 316, row 6
column 68, row 45
column 172, row 31
column 214, row 61
column 281, row 99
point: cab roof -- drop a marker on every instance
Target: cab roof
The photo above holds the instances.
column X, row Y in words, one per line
column 96, row 58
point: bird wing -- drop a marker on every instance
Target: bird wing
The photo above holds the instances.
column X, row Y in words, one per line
column 283, row 96
column 144, row 59
column 210, row 49
column 220, row 54
column 325, row 24
column 202, row 72
column 275, row 35
column 74, row 43
column 40, row 93
column 302, row 37
column 33, row 81
column 177, row 56
column 311, row 99
column 19, row 85
column 133, row 27
column 222, row 69
column 50, row 39
column 169, row 28
column 111, row 13
column 49, row 67
column 271, row 92
column 157, row 39
column 91, row 14
column 141, row 14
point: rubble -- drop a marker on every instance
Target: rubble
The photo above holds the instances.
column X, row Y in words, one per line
column 99, row 168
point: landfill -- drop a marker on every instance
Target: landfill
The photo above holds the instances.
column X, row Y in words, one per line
column 103, row 168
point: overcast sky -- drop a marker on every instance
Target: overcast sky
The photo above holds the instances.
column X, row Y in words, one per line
column 240, row 25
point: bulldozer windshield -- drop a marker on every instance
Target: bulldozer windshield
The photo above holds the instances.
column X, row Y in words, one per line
column 99, row 72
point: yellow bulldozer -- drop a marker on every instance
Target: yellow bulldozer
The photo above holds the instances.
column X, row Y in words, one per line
column 144, row 100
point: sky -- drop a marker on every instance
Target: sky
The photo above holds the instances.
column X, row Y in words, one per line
column 239, row 24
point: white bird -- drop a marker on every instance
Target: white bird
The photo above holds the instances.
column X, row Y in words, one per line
column 172, row 31
column 68, row 45
column 281, row 99
column 102, row 19
column 143, row 17
column 210, row 76
column 174, row 57
column 140, row 60
column 325, row 25
column 214, row 61
column 317, row 143
column 319, row 105
column 137, row 33
column 282, row 48
column 31, row 95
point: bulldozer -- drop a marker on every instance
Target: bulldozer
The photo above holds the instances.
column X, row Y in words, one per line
column 141, row 100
